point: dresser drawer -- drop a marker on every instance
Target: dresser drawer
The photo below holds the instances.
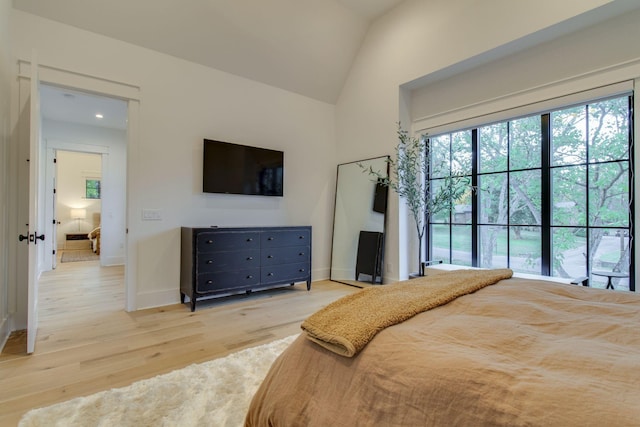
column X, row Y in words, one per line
column 223, row 241
column 228, row 280
column 225, row 261
column 285, row 255
column 285, row 273
column 280, row 238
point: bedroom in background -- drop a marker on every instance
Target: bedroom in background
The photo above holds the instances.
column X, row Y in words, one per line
column 77, row 208
column 84, row 138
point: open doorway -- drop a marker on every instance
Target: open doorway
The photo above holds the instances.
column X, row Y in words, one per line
column 85, row 139
column 77, row 206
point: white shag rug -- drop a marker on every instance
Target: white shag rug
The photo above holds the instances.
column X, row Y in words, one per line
column 214, row 393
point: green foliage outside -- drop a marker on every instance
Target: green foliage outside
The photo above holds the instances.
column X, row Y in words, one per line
column 589, row 184
column 92, row 188
column 409, row 169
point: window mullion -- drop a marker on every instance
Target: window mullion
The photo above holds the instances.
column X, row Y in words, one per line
column 546, row 191
column 475, row 259
column 632, row 268
column 587, row 182
column 508, row 194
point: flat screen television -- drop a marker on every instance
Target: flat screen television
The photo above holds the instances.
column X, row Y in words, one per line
column 239, row 169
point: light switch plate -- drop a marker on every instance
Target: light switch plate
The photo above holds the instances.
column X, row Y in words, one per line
column 151, row 214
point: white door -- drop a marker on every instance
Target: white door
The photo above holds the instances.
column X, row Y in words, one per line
column 50, row 209
column 54, row 230
column 33, row 236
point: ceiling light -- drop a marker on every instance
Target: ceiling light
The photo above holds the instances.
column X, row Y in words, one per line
column 98, row 116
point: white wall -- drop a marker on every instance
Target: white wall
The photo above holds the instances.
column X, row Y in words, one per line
column 419, row 42
column 112, row 166
column 5, row 95
column 182, row 103
column 583, row 54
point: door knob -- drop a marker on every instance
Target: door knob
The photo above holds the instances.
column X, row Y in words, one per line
column 41, row 237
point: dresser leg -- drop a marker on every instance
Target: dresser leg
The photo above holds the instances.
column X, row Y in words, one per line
column 193, row 303
column 308, row 285
column 181, row 298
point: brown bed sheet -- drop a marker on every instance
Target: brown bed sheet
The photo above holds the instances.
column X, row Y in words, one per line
column 518, row 353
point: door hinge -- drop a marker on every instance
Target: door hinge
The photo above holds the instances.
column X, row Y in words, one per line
column 54, row 191
column 53, row 252
column 54, row 222
column 55, row 160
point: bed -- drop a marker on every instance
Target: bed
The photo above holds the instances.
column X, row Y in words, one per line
column 94, row 236
column 519, row 352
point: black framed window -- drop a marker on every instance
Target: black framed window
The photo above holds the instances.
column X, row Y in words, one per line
column 552, row 193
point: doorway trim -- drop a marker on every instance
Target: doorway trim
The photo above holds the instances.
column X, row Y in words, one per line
column 131, row 94
column 52, row 147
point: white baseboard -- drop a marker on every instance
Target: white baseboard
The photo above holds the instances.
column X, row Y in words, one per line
column 111, row 261
column 172, row 296
column 320, row 274
column 390, row 279
column 5, row 331
column 157, row 299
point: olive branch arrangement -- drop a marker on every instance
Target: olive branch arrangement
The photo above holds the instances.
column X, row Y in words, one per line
column 410, row 169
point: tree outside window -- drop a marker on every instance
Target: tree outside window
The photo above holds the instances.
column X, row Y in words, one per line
column 92, row 188
column 563, row 177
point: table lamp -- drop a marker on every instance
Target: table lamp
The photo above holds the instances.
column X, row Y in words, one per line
column 78, row 214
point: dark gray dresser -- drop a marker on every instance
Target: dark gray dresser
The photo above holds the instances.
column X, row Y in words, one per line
column 217, row 261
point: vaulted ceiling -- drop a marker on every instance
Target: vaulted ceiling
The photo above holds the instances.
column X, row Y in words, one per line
column 304, row 46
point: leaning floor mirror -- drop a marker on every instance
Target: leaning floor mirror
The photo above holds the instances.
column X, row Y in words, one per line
column 359, row 223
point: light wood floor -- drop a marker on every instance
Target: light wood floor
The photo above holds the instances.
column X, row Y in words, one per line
column 86, row 342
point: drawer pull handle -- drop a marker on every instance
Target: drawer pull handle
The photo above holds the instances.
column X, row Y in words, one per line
column 300, row 237
column 301, row 270
column 209, row 261
column 269, row 256
column 270, row 238
column 249, row 239
column 249, row 277
column 209, row 282
column 270, row 274
column 209, row 242
column 249, row 258
column 301, row 253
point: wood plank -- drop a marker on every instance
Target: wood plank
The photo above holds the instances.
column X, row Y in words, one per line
column 87, row 343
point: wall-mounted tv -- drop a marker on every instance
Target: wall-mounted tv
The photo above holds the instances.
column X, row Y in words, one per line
column 239, row 169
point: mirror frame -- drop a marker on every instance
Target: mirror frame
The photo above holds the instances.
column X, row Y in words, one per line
column 352, row 241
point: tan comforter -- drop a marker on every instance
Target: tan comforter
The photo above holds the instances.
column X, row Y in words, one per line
column 518, row 353
column 348, row 324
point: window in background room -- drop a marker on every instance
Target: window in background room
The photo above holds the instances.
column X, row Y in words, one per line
column 551, row 193
column 92, row 187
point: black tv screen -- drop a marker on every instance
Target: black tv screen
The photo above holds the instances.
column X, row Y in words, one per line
column 239, row 169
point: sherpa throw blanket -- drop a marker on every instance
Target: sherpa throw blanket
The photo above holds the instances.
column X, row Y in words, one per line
column 348, row 324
